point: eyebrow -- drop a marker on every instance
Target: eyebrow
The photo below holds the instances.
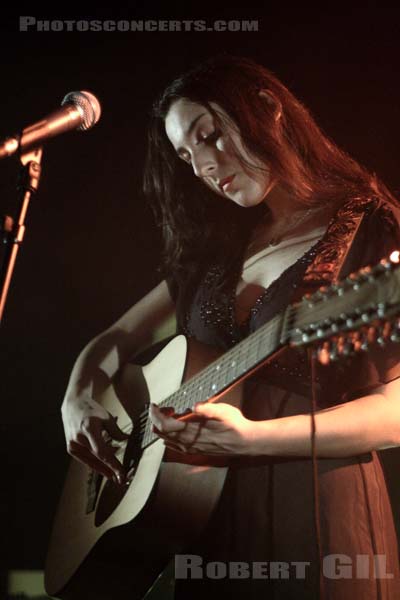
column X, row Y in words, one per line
column 190, row 129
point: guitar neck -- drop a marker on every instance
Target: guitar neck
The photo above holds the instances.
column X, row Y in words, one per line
column 367, row 297
column 241, row 360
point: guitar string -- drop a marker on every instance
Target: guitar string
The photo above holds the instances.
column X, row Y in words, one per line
column 206, row 377
column 258, row 338
column 209, row 377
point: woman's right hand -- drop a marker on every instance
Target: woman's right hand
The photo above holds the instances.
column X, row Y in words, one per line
column 89, row 430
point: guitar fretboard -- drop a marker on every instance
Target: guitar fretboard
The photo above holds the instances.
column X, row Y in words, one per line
column 223, row 372
column 361, row 299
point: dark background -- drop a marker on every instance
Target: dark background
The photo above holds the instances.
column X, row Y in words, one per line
column 91, row 248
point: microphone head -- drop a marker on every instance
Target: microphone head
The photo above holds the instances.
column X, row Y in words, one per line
column 88, row 106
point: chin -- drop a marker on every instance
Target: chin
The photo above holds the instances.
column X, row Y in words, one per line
column 247, row 201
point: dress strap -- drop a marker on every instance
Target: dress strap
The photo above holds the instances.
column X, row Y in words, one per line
column 328, row 264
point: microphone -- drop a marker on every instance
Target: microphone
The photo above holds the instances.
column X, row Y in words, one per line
column 80, row 110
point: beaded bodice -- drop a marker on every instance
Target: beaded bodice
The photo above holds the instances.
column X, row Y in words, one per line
column 212, row 319
column 360, row 233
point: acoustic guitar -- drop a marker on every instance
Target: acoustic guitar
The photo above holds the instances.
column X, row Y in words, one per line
column 171, row 495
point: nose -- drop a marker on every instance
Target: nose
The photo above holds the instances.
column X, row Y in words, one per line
column 204, row 164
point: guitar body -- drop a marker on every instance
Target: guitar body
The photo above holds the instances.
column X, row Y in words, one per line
column 167, row 503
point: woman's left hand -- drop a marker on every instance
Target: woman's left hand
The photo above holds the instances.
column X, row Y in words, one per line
column 214, row 429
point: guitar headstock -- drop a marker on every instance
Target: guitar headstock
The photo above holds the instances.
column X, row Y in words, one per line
column 349, row 316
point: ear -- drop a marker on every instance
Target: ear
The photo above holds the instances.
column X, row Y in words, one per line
column 273, row 101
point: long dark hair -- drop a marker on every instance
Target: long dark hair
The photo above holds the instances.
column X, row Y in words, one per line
column 195, row 224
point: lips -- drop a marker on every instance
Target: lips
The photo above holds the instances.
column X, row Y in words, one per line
column 225, row 182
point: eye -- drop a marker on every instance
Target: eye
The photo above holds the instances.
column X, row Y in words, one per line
column 211, row 137
column 185, row 158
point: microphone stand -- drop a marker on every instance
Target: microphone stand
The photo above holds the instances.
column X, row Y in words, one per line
column 13, row 230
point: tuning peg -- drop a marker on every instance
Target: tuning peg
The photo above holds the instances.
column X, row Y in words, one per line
column 385, row 331
column 348, row 348
column 364, row 343
column 309, row 300
column 367, row 275
column 365, row 271
column 333, row 352
column 320, row 294
column 381, row 310
column 352, row 277
column 353, row 280
column 323, row 353
column 395, row 332
column 395, row 336
column 341, row 290
column 380, row 340
column 345, row 346
column 323, row 290
column 384, row 265
column 371, row 335
column 340, row 343
column 356, row 340
column 387, row 264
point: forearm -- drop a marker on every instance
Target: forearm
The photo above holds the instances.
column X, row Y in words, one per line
column 97, row 363
column 105, row 354
column 368, row 423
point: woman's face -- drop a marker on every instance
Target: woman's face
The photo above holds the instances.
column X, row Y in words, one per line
column 198, row 141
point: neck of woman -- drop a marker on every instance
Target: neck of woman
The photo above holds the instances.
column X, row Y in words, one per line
column 287, row 218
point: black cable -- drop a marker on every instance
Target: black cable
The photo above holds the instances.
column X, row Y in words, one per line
column 317, row 523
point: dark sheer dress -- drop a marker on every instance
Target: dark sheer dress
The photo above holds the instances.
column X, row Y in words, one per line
column 267, row 514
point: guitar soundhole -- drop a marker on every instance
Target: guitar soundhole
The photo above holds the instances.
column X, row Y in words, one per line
column 112, row 493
